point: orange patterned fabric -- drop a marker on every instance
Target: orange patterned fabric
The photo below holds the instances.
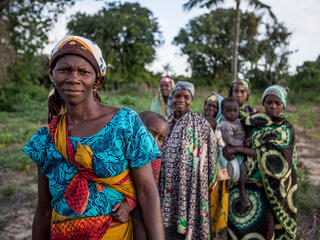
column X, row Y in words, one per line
column 92, row 228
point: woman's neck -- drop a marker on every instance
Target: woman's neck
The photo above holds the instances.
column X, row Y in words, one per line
column 78, row 114
column 165, row 99
column 179, row 114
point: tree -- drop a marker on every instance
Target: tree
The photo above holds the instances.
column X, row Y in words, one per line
column 127, row 34
column 209, row 3
column 24, row 25
column 207, row 41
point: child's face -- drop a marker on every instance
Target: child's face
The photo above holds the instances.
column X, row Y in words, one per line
column 231, row 111
column 240, row 95
column 273, row 106
column 159, row 130
column 210, row 109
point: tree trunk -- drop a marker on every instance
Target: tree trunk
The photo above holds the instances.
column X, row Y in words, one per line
column 236, row 42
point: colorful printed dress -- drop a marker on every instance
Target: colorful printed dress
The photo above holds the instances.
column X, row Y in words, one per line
column 271, row 184
column 86, row 184
column 188, row 174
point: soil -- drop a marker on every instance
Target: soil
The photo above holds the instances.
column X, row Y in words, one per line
column 18, row 190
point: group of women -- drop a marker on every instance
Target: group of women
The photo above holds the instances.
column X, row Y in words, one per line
column 92, row 157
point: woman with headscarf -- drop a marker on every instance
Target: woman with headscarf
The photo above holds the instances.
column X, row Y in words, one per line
column 160, row 101
column 240, row 90
column 271, row 184
column 188, row 171
column 89, row 155
column 211, row 111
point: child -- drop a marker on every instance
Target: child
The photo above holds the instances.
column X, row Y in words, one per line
column 158, row 127
column 233, row 134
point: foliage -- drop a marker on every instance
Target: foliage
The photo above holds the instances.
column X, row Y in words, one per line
column 306, row 82
column 127, row 35
column 237, row 19
column 24, row 25
column 207, row 41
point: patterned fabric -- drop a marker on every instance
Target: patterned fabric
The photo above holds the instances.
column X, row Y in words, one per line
column 63, row 227
column 246, row 110
column 188, row 174
column 156, row 166
column 82, row 47
column 277, row 90
column 123, row 143
column 271, row 182
column 242, row 84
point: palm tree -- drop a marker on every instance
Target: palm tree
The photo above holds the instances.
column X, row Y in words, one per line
column 209, row 3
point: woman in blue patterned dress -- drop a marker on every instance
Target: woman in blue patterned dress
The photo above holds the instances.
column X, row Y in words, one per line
column 89, row 155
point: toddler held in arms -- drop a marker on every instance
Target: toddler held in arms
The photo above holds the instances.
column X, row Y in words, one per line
column 158, row 127
column 233, row 134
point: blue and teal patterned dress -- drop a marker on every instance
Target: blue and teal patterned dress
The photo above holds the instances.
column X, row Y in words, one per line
column 124, row 142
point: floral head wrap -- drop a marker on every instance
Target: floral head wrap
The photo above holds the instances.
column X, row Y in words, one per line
column 82, row 47
column 241, row 84
column 277, row 90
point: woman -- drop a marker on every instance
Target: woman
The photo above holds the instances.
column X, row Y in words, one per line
column 86, row 156
column 188, row 169
column 219, row 196
column 240, row 89
column 160, row 101
column 271, row 183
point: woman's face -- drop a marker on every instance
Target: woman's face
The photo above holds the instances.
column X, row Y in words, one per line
column 165, row 88
column 240, row 94
column 74, row 78
column 273, row 105
column 210, row 109
column 181, row 101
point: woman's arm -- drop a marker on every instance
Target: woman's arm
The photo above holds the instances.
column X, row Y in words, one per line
column 148, row 199
column 229, row 151
column 42, row 216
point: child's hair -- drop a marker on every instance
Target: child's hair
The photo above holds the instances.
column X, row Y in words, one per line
column 228, row 100
column 148, row 116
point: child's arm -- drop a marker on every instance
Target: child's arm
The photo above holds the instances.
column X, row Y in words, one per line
column 121, row 210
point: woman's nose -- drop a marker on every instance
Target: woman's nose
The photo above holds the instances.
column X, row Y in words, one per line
column 73, row 76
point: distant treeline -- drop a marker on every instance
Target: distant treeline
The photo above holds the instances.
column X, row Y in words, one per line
column 129, row 35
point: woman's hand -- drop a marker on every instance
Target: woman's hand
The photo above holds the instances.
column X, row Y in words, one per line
column 229, row 152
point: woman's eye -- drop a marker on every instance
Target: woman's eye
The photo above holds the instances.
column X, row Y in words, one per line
column 83, row 71
column 63, row 70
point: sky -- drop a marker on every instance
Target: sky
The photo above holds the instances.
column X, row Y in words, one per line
column 302, row 18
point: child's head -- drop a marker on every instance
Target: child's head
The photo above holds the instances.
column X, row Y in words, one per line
column 156, row 124
column 230, row 108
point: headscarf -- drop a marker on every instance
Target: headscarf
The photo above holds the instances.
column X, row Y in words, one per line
column 277, row 90
column 80, row 46
column 181, row 85
column 214, row 97
column 167, row 80
column 242, row 84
